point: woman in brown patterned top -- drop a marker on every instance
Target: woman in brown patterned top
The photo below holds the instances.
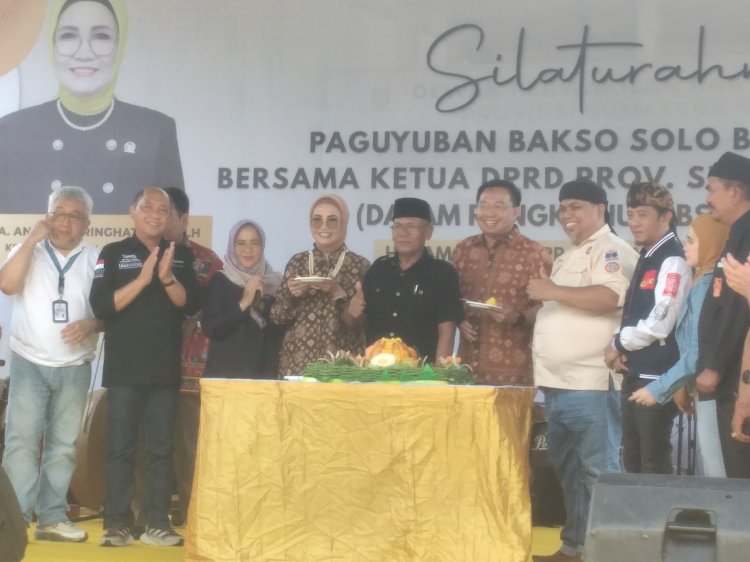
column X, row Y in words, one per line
column 326, row 314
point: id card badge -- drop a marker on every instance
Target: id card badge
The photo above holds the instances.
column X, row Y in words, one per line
column 60, row 311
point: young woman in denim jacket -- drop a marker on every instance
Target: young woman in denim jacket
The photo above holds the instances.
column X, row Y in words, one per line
column 703, row 247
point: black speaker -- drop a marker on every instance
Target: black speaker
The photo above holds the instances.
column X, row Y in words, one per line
column 653, row 517
column 13, row 537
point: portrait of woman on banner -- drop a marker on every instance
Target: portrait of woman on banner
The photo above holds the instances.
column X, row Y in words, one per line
column 86, row 137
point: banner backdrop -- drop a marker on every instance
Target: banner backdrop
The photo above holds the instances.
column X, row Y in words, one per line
column 276, row 103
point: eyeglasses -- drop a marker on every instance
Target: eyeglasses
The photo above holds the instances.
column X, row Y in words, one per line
column 330, row 222
column 247, row 244
column 71, row 217
column 102, row 42
column 484, row 208
column 405, row 228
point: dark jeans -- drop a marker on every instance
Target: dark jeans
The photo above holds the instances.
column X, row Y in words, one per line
column 128, row 407
column 736, row 455
column 647, row 435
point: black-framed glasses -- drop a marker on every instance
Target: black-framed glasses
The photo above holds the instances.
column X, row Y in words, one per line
column 101, row 41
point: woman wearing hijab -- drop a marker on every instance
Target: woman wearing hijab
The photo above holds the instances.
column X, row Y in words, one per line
column 320, row 300
column 703, row 247
column 86, row 137
column 244, row 343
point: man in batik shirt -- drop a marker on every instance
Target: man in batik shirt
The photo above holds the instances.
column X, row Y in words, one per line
column 194, row 347
column 496, row 266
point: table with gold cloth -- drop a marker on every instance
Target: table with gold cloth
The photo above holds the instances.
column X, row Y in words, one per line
column 306, row 472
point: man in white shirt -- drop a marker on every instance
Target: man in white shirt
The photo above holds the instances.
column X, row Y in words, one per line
column 583, row 301
column 53, row 339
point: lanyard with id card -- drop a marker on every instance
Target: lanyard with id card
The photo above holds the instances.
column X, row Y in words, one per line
column 60, row 306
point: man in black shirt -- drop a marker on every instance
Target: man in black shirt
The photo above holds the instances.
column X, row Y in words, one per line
column 412, row 295
column 725, row 317
column 142, row 288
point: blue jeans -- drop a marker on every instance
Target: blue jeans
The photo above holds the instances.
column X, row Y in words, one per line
column 584, row 431
column 44, row 403
column 128, row 407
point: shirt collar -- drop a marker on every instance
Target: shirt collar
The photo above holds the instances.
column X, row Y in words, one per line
column 333, row 255
column 424, row 258
column 135, row 242
column 740, row 224
column 505, row 238
column 603, row 231
column 79, row 248
column 663, row 240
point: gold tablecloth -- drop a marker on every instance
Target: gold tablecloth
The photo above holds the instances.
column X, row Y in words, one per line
column 310, row 472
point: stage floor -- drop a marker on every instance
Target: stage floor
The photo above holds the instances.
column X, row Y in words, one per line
column 545, row 540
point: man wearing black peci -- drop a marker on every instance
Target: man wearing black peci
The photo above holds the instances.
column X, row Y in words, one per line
column 725, row 317
column 412, row 295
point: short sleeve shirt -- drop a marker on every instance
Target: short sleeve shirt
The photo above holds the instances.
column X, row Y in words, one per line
column 568, row 345
column 33, row 334
column 142, row 341
column 410, row 304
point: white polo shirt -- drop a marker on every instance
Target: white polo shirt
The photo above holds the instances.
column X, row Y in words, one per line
column 33, row 334
column 568, row 345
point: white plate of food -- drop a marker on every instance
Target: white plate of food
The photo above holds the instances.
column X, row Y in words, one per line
column 312, row 279
column 484, row 305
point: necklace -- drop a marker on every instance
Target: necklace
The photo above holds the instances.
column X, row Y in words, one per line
column 96, row 125
column 336, row 269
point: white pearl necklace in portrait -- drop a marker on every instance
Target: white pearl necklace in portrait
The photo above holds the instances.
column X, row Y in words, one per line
column 96, row 125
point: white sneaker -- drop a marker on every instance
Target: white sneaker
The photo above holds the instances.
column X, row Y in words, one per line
column 117, row 537
column 161, row 537
column 63, row 531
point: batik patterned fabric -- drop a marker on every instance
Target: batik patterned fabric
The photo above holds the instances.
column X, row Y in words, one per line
column 502, row 352
column 314, row 321
column 195, row 344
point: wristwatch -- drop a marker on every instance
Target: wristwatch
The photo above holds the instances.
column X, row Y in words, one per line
column 746, row 377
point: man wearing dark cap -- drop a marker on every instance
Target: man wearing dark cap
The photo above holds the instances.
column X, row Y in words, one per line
column 582, row 300
column 412, row 295
column 645, row 346
column 725, row 317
